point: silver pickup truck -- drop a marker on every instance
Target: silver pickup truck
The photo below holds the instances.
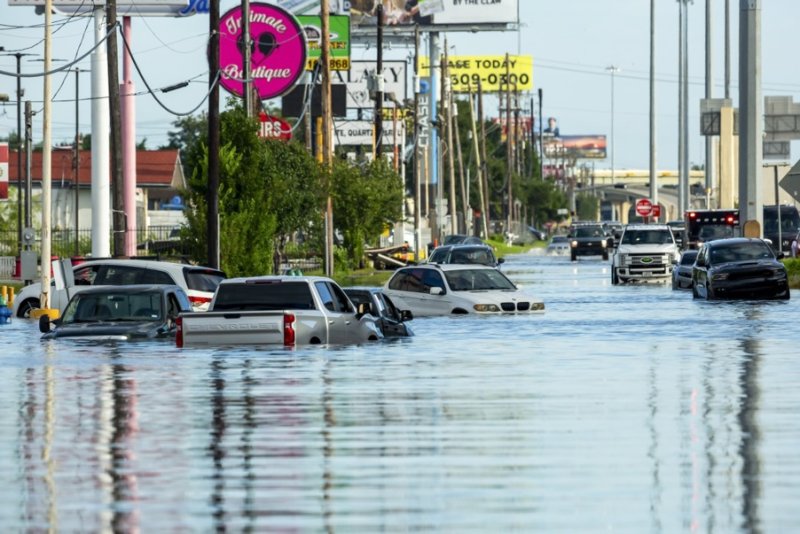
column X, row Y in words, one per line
column 278, row 310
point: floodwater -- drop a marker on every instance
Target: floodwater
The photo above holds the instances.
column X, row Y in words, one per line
column 623, row 408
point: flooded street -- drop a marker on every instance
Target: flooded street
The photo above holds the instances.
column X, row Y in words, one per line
column 622, row 408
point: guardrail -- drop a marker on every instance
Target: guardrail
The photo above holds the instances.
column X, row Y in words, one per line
column 8, row 266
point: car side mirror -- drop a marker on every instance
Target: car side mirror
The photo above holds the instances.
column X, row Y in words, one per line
column 780, row 255
column 44, row 324
column 437, row 291
column 501, row 260
column 406, row 315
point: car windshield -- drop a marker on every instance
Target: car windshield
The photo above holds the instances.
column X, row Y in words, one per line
column 588, row 231
column 740, row 252
column 472, row 256
column 478, row 280
column 559, row 239
column 647, row 237
column 96, row 307
column 714, row 231
column 688, row 257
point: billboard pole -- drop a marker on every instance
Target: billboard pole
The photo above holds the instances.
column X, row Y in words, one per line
column 378, row 135
column 417, row 162
column 509, row 151
column 484, row 165
column 327, row 141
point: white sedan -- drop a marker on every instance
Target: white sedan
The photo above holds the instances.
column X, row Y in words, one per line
column 429, row 290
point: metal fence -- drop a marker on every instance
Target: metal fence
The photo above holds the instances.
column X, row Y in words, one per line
column 152, row 240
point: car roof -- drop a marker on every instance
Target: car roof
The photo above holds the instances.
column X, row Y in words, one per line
column 363, row 288
column 148, row 264
column 646, row 227
column 133, row 288
column 450, row 266
column 274, row 278
column 734, row 241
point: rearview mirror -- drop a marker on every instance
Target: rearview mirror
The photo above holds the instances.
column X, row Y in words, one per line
column 406, row 315
column 437, row 291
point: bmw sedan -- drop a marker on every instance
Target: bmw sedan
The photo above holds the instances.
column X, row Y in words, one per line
column 739, row 268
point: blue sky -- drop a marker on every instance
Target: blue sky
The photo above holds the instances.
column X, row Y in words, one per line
column 572, row 42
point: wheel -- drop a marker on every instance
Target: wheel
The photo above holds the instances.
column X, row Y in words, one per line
column 614, row 277
column 675, row 284
column 24, row 310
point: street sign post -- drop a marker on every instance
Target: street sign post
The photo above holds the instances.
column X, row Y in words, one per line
column 644, row 207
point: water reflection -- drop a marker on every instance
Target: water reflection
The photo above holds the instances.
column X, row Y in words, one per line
column 623, row 408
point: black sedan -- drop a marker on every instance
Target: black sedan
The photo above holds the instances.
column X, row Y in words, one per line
column 392, row 321
column 682, row 273
column 119, row 313
column 739, row 268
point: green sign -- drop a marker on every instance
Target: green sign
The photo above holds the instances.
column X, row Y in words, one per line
column 340, row 40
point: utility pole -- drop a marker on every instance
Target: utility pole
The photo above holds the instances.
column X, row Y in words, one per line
column 212, row 195
column 379, row 87
column 447, row 107
column 484, row 164
column 327, row 146
column 117, row 192
column 683, row 104
column 77, row 160
column 463, row 182
column 709, row 167
column 509, row 151
column 28, row 151
column 751, row 116
column 246, row 59
column 541, row 140
column 653, row 172
column 480, row 166
column 47, row 168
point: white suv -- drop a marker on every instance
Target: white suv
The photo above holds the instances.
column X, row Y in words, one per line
column 198, row 282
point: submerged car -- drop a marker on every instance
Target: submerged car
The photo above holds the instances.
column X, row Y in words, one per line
column 429, row 290
column 682, row 273
column 559, row 244
column 465, row 254
column 739, row 268
column 119, row 313
column 391, row 320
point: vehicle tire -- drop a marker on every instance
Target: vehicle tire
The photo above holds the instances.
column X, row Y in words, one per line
column 605, row 255
column 24, row 310
column 573, row 256
column 675, row 285
column 614, row 277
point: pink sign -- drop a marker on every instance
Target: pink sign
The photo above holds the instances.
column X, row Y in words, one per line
column 278, row 53
column 3, row 171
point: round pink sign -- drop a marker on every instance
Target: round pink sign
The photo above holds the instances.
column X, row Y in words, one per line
column 278, row 50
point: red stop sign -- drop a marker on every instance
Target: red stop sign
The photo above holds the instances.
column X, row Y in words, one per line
column 644, row 208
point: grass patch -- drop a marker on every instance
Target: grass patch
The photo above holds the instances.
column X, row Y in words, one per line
column 793, row 268
column 501, row 248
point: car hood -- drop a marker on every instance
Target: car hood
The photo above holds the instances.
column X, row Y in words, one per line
column 745, row 267
column 647, row 249
column 109, row 330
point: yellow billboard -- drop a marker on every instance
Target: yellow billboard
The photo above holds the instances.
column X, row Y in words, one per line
column 494, row 73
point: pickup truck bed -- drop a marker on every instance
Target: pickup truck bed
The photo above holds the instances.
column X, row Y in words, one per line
column 278, row 310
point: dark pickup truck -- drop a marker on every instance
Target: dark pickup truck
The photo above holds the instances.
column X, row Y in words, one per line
column 589, row 240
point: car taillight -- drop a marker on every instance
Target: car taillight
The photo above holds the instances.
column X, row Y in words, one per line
column 199, row 301
column 179, row 332
column 288, row 330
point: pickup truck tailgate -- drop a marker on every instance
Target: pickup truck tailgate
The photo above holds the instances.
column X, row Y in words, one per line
column 234, row 328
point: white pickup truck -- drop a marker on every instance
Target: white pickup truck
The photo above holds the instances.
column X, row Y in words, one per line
column 278, row 310
column 645, row 253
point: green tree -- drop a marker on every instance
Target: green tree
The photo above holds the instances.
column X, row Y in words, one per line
column 365, row 201
column 587, row 206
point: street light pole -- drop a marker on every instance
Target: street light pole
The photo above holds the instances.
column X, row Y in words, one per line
column 76, row 162
column 613, row 69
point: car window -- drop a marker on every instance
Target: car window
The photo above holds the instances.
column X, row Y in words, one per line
column 203, row 279
column 264, row 296
column 389, row 309
column 431, row 278
column 151, row 276
column 408, row 280
column 85, row 275
column 647, row 237
column 688, row 258
column 325, row 296
column 589, row 231
column 118, row 275
column 474, row 280
column 342, row 302
column 439, row 255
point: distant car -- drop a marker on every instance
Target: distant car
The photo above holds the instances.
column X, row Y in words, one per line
column 465, row 254
column 429, row 290
column 739, row 268
column 682, row 273
column 678, row 229
column 559, row 244
column 391, row 320
column 119, row 313
column 198, row 282
column 589, row 240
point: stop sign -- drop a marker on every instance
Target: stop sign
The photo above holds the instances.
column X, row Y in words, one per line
column 644, row 208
